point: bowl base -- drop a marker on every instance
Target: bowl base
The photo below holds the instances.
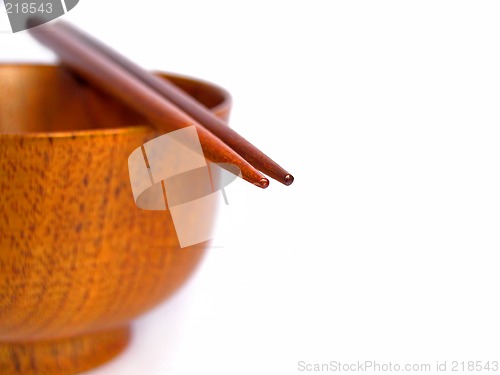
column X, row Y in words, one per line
column 64, row 356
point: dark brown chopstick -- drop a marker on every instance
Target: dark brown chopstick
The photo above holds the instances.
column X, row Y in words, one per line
column 110, row 77
column 192, row 107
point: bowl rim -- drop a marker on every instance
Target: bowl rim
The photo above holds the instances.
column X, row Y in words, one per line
column 225, row 104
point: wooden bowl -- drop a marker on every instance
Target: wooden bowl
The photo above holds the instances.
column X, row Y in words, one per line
column 78, row 259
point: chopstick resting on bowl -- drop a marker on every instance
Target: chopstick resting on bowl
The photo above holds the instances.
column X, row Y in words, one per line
column 101, row 71
column 192, row 107
column 159, row 100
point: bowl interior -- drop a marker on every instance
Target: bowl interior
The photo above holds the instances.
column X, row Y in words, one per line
column 44, row 98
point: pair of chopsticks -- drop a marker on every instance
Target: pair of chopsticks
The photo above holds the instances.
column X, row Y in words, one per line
column 161, row 102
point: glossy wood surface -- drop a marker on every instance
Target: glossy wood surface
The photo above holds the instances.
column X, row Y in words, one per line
column 78, row 259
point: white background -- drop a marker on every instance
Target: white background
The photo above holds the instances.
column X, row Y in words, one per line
column 386, row 246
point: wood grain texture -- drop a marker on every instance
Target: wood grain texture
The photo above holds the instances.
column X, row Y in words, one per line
column 78, row 259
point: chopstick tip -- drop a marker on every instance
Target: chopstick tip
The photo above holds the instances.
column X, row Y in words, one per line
column 263, row 183
column 288, row 179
